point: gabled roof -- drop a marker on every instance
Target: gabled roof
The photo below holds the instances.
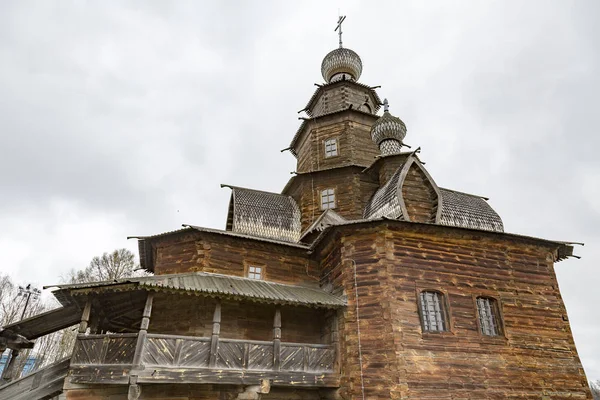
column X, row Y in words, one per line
column 263, row 214
column 453, row 208
column 327, row 218
column 212, row 285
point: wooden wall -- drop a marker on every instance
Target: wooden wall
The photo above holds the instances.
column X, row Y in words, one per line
column 187, row 315
column 535, row 358
column 198, row 252
column 340, row 96
column 419, row 196
column 353, row 190
column 353, row 131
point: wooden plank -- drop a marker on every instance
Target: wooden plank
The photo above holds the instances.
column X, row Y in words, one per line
column 229, row 355
column 238, row 377
column 214, row 343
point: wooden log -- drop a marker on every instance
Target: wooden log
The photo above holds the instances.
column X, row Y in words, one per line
column 85, row 316
column 8, row 373
column 277, row 339
column 214, row 342
column 141, row 340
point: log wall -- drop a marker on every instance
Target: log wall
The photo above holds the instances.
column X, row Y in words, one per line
column 535, row 358
column 419, row 195
column 355, row 147
column 197, row 252
column 352, row 192
column 187, row 315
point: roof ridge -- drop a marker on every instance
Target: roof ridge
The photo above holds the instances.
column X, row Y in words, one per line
column 232, row 187
column 467, row 194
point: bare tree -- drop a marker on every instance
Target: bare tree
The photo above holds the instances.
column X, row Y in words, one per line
column 595, row 388
column 109, row 266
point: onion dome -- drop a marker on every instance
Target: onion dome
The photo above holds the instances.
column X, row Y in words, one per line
column 341, row 63
column 388, row 132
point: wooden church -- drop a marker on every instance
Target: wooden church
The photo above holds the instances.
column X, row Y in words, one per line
column 362, row 279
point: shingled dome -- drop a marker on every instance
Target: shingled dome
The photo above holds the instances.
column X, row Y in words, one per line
column 388, row 132
column 341, row 64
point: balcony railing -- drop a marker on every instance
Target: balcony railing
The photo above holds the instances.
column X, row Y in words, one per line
column 169, row 358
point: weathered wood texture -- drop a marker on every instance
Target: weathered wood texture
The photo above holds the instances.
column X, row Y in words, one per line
column 118, row 348
column 42, row 384
column 197, row 252
column 340, row 96
column 189, row 392
column 535, row 357
column 419, row 195
column 181, row 314
column 352, row 192
column 355, row 147
column 171, row 358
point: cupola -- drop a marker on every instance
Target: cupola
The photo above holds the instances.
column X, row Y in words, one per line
column 388, row 132
column 341, row 63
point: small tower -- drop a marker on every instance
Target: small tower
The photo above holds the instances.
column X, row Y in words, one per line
column 388, row 132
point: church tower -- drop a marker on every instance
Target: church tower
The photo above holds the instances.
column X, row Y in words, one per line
column 333, row 144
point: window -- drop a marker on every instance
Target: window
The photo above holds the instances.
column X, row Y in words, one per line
column 327, row 199
column 489, row 321
column 433, row 312
column 255, row 272
column 331, row 147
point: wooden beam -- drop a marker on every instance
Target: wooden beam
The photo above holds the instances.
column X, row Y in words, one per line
column 277, row 339
column 8, row 374
column 214, row 341
column 141, row 341
column 335, row 340
column 85, row 316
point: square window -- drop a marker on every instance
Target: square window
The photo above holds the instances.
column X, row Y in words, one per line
column 255, row 272
column 327, row 199
column 331, row 148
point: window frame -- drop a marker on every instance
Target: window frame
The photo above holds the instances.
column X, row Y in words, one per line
column 496, row 309
column 337, row 147
column 444, row 308
column 260, row 273
column 334, row 202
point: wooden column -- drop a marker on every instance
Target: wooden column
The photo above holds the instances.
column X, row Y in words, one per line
column 214, row 341
column 277, row 340
column 7, row 374
column 335, row 341
column 141, row 340
column 85, row 316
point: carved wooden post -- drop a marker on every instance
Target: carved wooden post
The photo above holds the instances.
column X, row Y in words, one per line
column 85, row 316
column 335, row 341
column 7, row 374
column 214, row 341
column 141, row 340
column 277, row 340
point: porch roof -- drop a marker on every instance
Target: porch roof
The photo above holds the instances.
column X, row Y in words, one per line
column 212, row 285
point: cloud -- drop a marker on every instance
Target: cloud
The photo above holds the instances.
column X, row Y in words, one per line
column 122, row 118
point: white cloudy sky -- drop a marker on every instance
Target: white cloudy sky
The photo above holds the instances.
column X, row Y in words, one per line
column 122, row 118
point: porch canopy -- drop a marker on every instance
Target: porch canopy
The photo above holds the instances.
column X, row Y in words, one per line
column 121, row 301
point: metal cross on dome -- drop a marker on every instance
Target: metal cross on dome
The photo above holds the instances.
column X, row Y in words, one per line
column 339, row 27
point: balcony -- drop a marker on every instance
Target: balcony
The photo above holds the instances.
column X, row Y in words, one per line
column 158, row 358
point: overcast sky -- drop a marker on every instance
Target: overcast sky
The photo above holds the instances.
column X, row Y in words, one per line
column 122, row 118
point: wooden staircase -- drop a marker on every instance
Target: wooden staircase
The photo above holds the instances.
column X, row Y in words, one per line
column 42, row 384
